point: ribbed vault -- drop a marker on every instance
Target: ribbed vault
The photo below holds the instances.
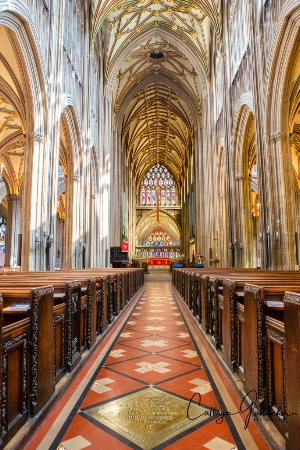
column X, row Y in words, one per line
column 157, row 128
column 156, row 57
column 168, row 40
column 143, row 13
column 12, row 115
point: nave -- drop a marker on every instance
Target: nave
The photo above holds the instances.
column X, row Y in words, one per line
column 135, row 390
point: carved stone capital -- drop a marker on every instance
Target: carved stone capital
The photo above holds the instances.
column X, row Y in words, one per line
column 37, row 137
column 45, row 7
column 13, row 198
column 76, row 178
column 240, row 178
column 278, row 136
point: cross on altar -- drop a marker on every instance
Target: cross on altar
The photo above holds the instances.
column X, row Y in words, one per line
column 157, row 199
column 158, row 190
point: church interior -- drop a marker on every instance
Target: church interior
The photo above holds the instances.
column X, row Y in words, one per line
column 149, row 224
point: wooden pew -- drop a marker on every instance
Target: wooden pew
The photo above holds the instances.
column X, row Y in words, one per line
column 292, row 362
column 1, row 366
column 267, row 368
column 199, row 295
column 110, row 283
column 122, row 284
column 28, row 366
column 74, row 320
column 259, row 302
column 15, row 377
column 267, row 357
column 70, row 294
column 100, row 312
column 132, row 279
column 211, row 299
column 89, row 299
column 253, row 337
column 232, row 304
column 221, row 302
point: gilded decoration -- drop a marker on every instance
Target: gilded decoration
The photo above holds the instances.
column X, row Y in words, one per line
column 148, row 417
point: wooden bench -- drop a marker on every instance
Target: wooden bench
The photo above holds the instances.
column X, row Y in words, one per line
column 74, row 340
column 101, row 301
column 93, row 300
column 268, row 318
column 83, row 305
column 123, row 284
column 28, row 366
column 194, row 291
column 231, row 306
column 216, row 289
column 292, row 362
column 244, row 314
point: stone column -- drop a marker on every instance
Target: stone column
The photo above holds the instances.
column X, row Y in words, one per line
column 243, row 238
column 264, row 169
column 223, row 231
column 76, row 242
column 199, row 193
column 229, row 187
column 116, row 194
column 13, row 230
column 282, row 204
column 297, row 226
column 33, row 217
column 51, row 151
column 105, row 181
column 131, row 195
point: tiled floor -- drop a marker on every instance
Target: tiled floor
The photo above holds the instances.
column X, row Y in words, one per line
column 155, row 351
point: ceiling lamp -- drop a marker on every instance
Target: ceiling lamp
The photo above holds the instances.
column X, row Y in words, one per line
column 156, row 56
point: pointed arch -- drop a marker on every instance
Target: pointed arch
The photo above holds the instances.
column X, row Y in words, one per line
column 167, row 221
column 125, row 51
column 15, row 16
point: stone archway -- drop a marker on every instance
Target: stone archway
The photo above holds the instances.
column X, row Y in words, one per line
column 147, row 223
column 67, row 205
column 245, row 236
column 282, row 72
column 24, row 88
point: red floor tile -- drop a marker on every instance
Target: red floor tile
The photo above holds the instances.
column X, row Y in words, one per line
column 156, row 323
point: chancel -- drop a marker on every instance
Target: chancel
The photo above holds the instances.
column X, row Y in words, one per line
column 149, row 224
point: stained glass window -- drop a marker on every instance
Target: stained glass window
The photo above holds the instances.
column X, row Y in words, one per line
column 159, row 238
column 160, row 176
column 2, row 235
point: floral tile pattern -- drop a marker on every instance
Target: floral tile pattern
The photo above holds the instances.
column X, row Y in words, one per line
column 154, row 349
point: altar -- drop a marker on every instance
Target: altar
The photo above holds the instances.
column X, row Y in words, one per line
column 159, row 261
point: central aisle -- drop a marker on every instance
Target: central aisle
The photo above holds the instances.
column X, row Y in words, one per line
column 136, row 391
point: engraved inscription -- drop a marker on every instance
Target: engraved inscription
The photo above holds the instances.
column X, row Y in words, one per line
column 148, row 417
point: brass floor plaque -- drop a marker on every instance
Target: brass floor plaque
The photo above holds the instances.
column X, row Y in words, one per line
column 149, row 417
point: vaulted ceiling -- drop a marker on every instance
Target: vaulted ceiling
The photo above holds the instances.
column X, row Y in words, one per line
column 12, row 116
column 157, row 64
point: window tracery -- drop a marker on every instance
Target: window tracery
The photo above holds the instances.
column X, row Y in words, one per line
column 2, row 235
column 158, row 182
column 159, row 238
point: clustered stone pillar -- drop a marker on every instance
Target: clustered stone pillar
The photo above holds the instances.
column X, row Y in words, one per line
column 13, row 230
